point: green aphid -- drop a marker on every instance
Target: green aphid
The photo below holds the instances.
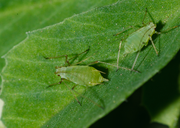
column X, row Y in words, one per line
column 80, row 75
column 138, row 39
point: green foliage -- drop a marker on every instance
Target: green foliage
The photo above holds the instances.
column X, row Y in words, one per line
column 27, row 73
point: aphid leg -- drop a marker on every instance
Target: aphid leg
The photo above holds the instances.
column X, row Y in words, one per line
column 72, row 93
column 58, row 67
column 73, row 87
column 119, row 54
column 157, row 32
column 95, row 62
column 88, row 99
column 144, row 17
column 80, row 53
column 66, row 60
column 55, row 83
column 153, row 45
column 135, row 60
column 84, row 60
column 67, row 87
column 66, row 57
column 167, row 30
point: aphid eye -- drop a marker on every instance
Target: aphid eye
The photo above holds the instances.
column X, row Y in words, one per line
column 58, row 75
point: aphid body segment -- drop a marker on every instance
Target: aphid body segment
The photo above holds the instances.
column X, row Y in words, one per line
column 81, row 75
column 139, row 38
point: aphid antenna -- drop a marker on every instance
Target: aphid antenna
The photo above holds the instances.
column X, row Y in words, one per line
column 144, row 17
column 123, row 31
column 85, row 59
column 149, row 16
column 88, row 99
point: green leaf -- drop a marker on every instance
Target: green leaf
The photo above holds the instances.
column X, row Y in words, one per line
column 16, row 18
column 27, row 74
column 161, row 95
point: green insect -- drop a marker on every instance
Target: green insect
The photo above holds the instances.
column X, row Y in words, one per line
column 138, row 39
column 80, row 75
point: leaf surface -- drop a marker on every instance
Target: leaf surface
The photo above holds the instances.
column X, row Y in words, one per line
column 27, row 73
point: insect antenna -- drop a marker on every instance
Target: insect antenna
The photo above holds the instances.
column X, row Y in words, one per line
column 144, row 16
column 150, row 16
column 123, row 31
column 80, row 53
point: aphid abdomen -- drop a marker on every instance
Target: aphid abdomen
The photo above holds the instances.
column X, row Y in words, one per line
column 81, row 75
column 139, row 38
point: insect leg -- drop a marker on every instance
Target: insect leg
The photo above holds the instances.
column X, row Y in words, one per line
column 56, row 83
column 118, row 54
column 67, row 87
column 73, row 87
column 167, row 30
column 135, row 60
column 153, row 45
column 80, row 53
column 66, row 57
column 88, row 99
column 73, row 94
column 95, row 62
